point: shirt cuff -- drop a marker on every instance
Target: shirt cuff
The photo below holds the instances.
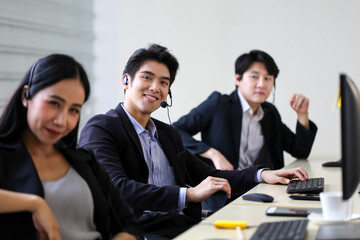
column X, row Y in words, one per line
column 258, row 175
column 182, row 199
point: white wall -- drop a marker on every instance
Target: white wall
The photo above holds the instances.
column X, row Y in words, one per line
column 32, row 29
column 311, row 41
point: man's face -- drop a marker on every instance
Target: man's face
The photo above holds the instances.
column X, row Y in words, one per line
column 148, row 89
column 255, row 85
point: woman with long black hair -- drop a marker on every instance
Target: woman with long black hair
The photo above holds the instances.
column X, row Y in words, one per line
column 48, row 186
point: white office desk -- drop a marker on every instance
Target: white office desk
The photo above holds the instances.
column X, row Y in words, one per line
column 254, row 212
column 333, row 181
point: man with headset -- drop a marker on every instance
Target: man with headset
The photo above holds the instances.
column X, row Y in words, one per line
column 241, row 130
column 145, row 158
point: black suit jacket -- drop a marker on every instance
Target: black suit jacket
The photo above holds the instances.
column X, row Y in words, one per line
column 18, row 173
column 114, row 142
column 219, row 119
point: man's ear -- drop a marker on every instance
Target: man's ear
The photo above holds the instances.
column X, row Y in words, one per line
column 237, row 80
column 125, row 81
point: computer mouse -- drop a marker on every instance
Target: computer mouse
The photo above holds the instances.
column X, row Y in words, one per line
column 258, row 197
column 333, row 164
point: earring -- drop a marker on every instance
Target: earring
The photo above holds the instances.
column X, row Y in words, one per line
column 25, row 104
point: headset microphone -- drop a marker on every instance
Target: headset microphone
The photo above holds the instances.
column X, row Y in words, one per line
column 273, row 102
column 164, row 104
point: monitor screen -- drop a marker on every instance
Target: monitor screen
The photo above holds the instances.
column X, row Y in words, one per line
column 350, row 135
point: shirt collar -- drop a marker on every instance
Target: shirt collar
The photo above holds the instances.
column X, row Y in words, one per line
column 151, row 128
column 244, row 104
column 246, row 107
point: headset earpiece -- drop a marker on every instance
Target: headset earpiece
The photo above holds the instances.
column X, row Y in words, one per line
column 27, row 94
column 126, row 80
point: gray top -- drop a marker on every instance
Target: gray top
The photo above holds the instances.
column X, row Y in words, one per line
column 252, row 137
column 71, row 202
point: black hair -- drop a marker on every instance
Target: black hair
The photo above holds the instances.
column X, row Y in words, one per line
column 43, row 73
column 153, row 52
column 243, row 63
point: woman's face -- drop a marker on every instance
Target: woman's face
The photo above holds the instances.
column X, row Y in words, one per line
column 54, row 112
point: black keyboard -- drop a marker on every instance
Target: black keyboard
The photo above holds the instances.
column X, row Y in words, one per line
column 313, row 185
column 281, row 230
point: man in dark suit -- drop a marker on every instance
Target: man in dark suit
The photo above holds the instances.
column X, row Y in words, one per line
column 241, row 130
column 146, row 160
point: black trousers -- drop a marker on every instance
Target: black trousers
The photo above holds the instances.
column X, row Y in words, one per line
column 164, row 227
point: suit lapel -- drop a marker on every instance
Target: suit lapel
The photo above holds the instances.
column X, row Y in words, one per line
column 129, row 128
column 172, row 153
column 236, row 122
column 165, row 140
column 126, row 124
column 79, row 160
column 266, row 125
column 20, row 172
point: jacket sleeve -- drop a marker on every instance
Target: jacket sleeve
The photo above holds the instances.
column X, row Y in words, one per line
column 299, row 144
column 122, row 216
column 280, row 138
column 119, row 155
column 197, row 120
column 240, row 181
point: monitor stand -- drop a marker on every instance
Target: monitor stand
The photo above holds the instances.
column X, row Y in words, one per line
column 332, row 164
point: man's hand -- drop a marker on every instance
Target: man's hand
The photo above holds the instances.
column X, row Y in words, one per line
column 300, row 104
column 206, row 188
column 284, row 175
column 218, row 159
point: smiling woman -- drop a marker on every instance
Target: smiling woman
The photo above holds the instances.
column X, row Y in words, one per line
column 55, row 109
column 46, row 184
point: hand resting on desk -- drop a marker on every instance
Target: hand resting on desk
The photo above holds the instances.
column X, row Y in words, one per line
column 284, row 175
column 206, row 188
column 213, row 184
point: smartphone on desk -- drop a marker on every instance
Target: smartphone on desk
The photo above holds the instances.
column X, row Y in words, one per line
column 305, row 196
column 291, row 211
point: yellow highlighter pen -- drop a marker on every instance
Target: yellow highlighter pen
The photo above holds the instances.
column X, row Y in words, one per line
column 230, row 224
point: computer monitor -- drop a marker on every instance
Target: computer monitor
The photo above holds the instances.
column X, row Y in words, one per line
column 350, row 135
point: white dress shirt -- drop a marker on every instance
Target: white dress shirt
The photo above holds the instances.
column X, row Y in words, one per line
column 252, row 138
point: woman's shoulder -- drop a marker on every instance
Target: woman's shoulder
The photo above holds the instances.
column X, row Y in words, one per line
column 13, row 149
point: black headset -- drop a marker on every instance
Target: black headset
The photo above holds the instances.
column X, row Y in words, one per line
column 164, row 104
column 126, row 80
column 27, row 94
